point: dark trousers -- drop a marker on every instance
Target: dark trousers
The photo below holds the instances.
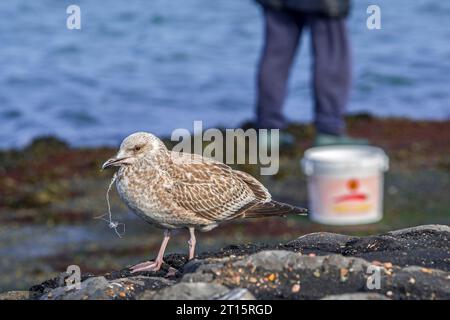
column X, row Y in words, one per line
column 331, row 68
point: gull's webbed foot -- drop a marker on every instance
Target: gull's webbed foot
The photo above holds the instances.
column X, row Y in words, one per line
column 147, row 266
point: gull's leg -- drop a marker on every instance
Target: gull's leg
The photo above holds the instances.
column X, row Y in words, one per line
column 192, row 243
column 154, row 265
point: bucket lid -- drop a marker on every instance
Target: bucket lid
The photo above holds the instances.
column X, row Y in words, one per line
column 328, row 159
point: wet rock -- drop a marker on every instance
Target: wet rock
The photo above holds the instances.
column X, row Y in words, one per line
column 199, row 270
column 356, row 296
column 429, row 228
column 426, row 245
column 189, row 291
column 90, row 289
column 197, row 277
column 418, row 283
column 235, row 294
column 320, row 243
column 295, row 276
column 410, row 263
column 50, row 284
column 99, row 288
column 136, row 288
column 275, row 260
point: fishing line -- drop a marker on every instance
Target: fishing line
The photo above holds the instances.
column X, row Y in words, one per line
column 112, row 224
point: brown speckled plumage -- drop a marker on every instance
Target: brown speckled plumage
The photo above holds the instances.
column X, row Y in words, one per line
column 172, row 190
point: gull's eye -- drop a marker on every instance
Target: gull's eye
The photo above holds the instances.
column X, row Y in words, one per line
column 137, row 148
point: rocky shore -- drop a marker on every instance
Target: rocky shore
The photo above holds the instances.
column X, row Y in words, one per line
column 411, row 263
column 51, row 192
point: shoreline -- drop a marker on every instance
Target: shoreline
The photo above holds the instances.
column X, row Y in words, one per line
column 51, row 193
column 294, row 127
column 411, row 263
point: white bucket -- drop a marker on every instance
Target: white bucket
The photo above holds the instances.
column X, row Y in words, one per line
column 345, row 184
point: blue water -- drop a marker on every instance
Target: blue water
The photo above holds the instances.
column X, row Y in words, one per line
column 159, row 65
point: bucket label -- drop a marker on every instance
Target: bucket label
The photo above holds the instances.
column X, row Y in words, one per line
column 345, row 196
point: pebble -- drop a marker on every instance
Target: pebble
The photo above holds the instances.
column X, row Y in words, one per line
column 295, row 288
column 426, row 270
column 344, row 274
column 271, row 277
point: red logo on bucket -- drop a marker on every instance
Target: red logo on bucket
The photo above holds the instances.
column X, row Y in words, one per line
column 354, row 195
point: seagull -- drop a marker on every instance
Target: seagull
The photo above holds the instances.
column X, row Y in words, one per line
column 173, row 190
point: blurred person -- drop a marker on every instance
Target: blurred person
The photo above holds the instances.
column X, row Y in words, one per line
column 284, row 23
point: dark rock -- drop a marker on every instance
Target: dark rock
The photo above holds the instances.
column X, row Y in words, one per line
column 189, row 291
column 294, row 276
column 356, row 296
column 418, row 283
column 426, row 246
column 320, row 243
column 90, row 289
column 48, row 285
column 235, row 294
column 274, row 260
column 411, row 263
column 99, row 288
column 139, row 286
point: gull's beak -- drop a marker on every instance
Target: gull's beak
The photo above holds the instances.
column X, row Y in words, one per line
column 113, row 162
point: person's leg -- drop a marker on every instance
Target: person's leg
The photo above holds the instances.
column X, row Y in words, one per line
column 331, row 73
column 282, row 32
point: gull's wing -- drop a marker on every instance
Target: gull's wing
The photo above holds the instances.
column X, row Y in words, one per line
column 212, row 189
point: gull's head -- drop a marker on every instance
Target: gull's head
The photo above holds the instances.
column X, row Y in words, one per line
column 135, row 147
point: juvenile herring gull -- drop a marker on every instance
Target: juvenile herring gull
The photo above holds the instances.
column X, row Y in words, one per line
column 179, row 190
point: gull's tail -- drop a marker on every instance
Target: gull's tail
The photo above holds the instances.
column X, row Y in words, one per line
column 273, row 208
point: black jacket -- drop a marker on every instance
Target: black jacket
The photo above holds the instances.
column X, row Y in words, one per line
column 328, row 8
